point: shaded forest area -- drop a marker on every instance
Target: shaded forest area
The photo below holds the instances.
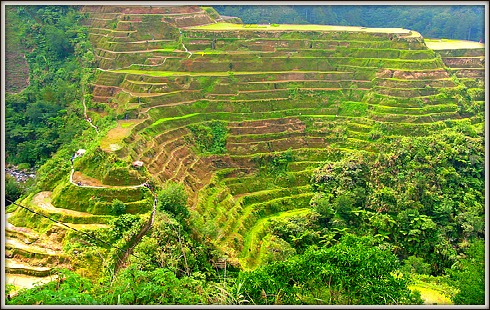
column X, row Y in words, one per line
column 463, row 22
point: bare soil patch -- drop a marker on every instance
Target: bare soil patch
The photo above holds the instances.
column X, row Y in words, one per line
column 16, row 72
column 85, row 180
column 113, row 140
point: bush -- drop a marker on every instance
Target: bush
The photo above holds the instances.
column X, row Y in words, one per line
column 173, row 198
column 118, row 207
column 414, row 264
column 13, row 190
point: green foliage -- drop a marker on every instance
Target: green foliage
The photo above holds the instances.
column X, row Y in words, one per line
column 118, row 207
column 345, row 183
column 173, row 198
column 124, row 223
column 131, row 287
column 157, row 287
column 414, row 264
column 354, row 271
column 210, row 138
column 13, row 189
column 468, row 275
column 69, row 289
column 350, row 108
column 207, row 83
column 232, row 78
column 168, row 245
column 275, row 163
column 300, row 232
column 323, row 207
column 47, row 113
column 423, row 194
column 276, row 249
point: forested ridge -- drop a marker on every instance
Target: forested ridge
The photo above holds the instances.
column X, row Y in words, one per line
column 47, row 113
column 382, row 202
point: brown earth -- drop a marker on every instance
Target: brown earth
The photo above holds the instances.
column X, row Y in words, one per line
column 16, row 71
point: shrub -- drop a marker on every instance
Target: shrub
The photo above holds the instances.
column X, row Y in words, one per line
column 173, row 198
column 118, row 207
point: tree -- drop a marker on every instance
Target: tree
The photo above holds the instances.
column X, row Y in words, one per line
column 46, row 114
column 414, row 264
column 173, row 198
column 118, row 207
column 468, row 275
column 13, row 189
column 161, row 286
column 357, row 270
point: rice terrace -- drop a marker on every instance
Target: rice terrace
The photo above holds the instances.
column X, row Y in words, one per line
column 184, row 156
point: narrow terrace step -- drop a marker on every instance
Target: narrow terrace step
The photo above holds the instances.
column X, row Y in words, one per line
column 249, row 215
column 273, row 145
column 468, row 72
column 42, row 202
column 438, row 108
column 165, row 152
column 250, row 254
column 15, row 267
column 414, row 83
column 250, row 184
column 408, row 92
column 426, row 118
column 464, row 62
column 13, row 243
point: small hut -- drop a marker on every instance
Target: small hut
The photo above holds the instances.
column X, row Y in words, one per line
column 137, row 164
column 80, row 153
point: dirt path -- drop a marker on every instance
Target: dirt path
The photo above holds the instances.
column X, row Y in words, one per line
column 43, row 200
column 88, row 119
column 183, row 45
column 81, row 184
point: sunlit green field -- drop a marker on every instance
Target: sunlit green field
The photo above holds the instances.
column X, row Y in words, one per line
column 444, row 44
column 430, row 295
column 281, row 27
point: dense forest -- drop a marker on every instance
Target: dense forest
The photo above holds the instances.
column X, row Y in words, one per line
column 43, row 104
column 47, row 113
column 412, row 212
column 464, row 22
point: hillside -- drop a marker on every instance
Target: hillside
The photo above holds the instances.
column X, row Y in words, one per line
column 250, row 121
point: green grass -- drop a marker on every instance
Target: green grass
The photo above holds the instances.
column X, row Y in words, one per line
column 431, row 295
column 162, row 120
column 250, row 255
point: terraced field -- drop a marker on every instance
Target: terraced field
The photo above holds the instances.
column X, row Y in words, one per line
column 243, row 115
column 286, row 94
